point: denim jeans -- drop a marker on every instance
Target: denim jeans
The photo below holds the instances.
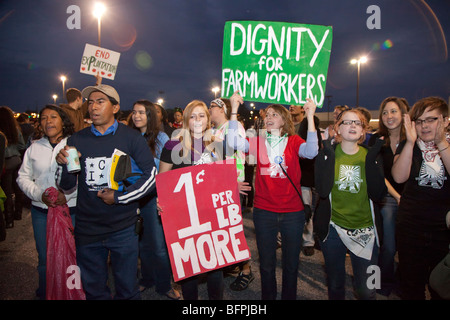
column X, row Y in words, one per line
column 334, row 252
column 92, row 259
column 214, row 280
column 267, row 225
column 389, row 208
column 39, row 222
column 155, row 263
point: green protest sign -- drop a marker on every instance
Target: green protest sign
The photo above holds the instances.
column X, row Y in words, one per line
column 276, row 62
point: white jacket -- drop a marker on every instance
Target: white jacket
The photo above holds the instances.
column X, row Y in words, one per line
column 38, row 170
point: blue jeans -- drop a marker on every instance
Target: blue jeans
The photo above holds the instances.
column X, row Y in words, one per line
column 267, row 225
column 92, row 259
column 389, row 208
column 214, row 280
column 155, row 262
column 334, row 252
column 39, row 222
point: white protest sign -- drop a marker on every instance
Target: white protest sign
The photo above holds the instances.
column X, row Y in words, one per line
column 99, row 60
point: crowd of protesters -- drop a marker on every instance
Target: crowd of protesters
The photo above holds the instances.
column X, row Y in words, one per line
column 366, row 194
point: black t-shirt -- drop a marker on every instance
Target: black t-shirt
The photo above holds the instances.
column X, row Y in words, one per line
column 199, row 155
column 425, row 200
column 388, row 160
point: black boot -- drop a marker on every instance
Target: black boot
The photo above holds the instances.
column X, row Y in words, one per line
column 18, row 205
column 2, row 227
column 9, row 213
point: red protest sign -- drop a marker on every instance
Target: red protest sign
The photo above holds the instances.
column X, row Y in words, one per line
column 202, row 218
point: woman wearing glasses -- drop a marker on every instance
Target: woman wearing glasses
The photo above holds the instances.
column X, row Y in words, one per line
column 422, row 162
column 348, row 178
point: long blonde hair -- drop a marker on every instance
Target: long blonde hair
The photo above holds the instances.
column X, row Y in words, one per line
column 185, row 137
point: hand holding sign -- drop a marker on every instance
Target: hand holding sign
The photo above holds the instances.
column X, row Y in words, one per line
column 276, row 62
column 309, row 107
column 100, row 62
column 202, row 218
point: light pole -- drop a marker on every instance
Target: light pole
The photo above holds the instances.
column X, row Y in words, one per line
column 215, row 90
column 99, row 9
column 54, row 98
column 63, row 80
column 358, row 62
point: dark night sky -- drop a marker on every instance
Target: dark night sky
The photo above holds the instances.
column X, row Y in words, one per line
column 183, row 40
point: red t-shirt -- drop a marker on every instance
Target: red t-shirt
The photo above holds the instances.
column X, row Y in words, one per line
column 273, row 190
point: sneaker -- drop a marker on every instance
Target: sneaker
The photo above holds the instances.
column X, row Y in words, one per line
column 242, row 281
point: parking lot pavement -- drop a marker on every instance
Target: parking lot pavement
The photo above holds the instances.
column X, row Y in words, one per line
column 19, row 278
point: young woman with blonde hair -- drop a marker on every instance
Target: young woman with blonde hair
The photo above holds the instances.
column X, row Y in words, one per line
column 193, row 146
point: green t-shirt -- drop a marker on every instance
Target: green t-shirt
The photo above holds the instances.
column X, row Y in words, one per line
column 349, row 199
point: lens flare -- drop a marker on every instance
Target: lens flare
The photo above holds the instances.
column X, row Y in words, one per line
column 142, row 60
column 376, row 46
column 387, row 44
column 124, row 35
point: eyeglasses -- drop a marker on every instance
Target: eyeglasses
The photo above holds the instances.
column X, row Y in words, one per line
column 429, row 120
column 349, row 122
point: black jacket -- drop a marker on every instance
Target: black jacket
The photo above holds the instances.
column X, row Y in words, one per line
column 324, row 180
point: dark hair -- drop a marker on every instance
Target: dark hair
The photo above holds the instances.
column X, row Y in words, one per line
column 163, row 112
column 72, row 94
column 403, row 105
column 152, row 130
column 23, row 117
column 68, row 127
column 8, row 125
column 433, row 103
column 227, row 106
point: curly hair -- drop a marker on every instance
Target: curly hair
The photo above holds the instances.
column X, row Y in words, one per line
column 8, row 125
column 68, row 127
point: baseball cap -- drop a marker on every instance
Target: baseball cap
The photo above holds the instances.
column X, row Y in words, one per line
column 108, row 90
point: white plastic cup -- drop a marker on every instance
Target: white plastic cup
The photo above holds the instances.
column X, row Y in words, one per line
column 73, row 164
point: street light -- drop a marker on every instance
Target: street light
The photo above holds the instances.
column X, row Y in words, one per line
column 358, row 61
column 63, row 79
column 99, row 10
column 215, row 90
column 160, row 101
column 54, row 98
